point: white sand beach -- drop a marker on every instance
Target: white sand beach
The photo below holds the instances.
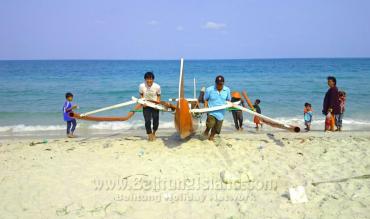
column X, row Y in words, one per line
column 240, row 175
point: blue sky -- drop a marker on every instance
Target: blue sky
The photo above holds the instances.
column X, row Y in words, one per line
column 194, row 29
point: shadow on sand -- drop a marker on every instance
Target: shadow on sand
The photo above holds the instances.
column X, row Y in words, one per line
column 174, row 140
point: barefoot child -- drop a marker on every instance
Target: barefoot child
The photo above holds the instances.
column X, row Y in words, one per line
column 307, row 116
column 68, row 107
column 256, row 119
column 339, row 116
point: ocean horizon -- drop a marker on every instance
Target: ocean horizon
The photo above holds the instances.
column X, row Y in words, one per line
column 188, row 59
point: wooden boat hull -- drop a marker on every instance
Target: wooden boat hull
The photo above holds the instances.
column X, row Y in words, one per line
column 183, row 119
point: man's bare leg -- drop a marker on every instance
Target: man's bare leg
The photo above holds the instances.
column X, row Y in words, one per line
column 71, row 136
column 206, row 132
column 212, row 136
column 150, row 137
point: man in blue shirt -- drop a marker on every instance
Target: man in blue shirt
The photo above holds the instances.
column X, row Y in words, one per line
column 216, row 95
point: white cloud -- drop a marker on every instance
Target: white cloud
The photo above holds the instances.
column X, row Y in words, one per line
column 153, row 22
column 179, row 28
column 214, row 26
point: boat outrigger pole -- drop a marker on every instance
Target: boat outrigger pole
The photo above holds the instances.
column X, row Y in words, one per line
column 116, row 106
column 265, row 119
column 268, row 120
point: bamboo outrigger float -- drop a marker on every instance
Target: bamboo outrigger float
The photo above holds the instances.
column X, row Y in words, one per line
column 184, row 111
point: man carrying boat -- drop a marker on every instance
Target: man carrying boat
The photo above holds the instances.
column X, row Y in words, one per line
column 152, row 92
column 216, row 95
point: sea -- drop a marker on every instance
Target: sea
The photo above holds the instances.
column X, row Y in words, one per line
column 32, row 91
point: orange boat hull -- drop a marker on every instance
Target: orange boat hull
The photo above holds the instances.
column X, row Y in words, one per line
column 183, row 119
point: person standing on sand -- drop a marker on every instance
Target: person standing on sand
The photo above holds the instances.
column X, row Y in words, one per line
column 331, row 102
column 342, row 102
column 237, row 114
column 257, row 120
column 216, row 95
column 68, row 108
column 150, row 91
column 307, row 116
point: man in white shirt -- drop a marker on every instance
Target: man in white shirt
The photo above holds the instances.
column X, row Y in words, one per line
column 150, row 91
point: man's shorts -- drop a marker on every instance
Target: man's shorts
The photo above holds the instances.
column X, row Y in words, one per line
column 213, row 123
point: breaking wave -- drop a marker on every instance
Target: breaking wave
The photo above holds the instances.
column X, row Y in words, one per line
column 348, row 124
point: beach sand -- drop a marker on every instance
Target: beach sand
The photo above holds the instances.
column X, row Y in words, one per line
column 240, row 175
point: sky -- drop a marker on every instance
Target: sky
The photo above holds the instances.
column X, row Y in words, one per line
column 193, row 29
